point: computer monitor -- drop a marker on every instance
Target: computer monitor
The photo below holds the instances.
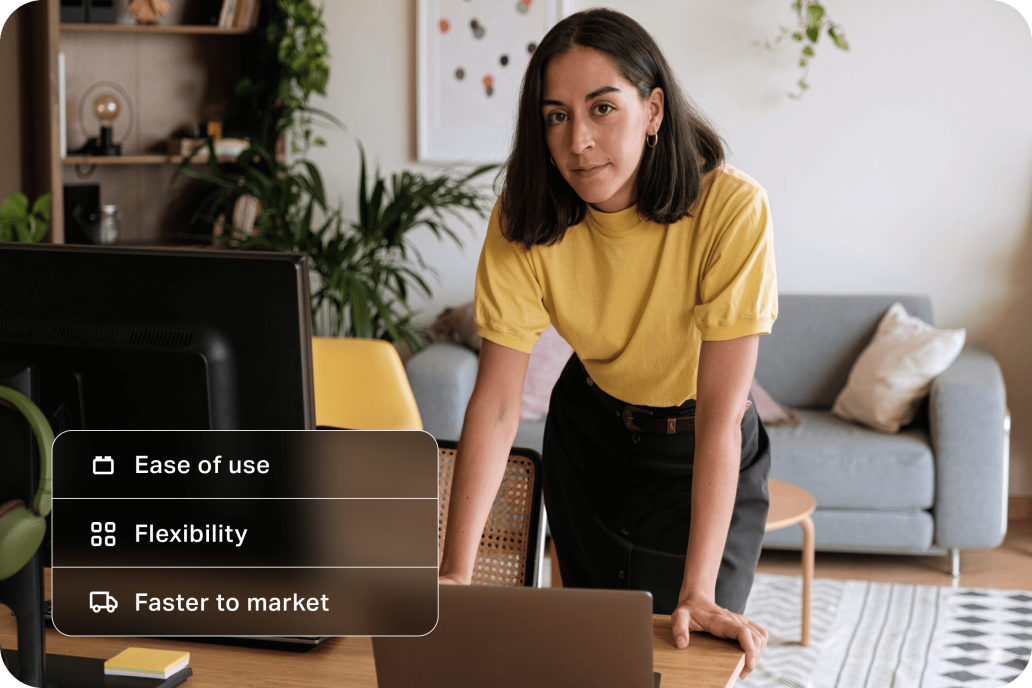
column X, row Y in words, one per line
column 161, row 339
column 146, row 339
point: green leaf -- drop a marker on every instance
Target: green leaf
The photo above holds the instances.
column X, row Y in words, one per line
column 839, row 40
column 808, row 51
column 797, row 36
column 39, row 230
column 802, row 62
column 814, row 13
column 23, row 229
column 42, row 206
column 15, row 205
column 803, row 84
column 317, row 184
column 813, row 33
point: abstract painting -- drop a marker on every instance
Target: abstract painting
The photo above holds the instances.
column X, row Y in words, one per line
column 472, row 56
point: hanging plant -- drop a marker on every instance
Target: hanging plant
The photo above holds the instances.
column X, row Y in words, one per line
column 288, row 61
column 812, row 22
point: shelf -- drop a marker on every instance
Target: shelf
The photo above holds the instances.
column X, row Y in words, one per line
column 181, row 29
column 152, row 159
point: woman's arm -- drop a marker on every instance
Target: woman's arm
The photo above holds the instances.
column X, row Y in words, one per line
column 488, row 430
column 725, row 373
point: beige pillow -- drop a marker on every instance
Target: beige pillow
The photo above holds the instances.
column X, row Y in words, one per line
column 894, row 373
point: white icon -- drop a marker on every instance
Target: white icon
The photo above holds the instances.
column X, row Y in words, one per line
column 106, row 540
column 102, row 600
column 103, row 465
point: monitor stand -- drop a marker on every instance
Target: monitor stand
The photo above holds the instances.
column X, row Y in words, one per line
column 23, row 592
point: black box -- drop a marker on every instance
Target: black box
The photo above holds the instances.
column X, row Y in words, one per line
column 100, row 11
column 73, row 11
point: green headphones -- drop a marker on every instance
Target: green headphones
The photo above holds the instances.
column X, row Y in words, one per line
column 22, row 527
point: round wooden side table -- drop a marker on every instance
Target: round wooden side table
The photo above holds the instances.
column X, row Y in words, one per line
column 790, row 505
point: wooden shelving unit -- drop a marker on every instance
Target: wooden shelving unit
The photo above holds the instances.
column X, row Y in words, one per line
column 182, row 29
column 154, row 159
column 174, row 74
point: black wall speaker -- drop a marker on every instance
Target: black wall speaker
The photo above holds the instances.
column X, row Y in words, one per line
column 82, row 213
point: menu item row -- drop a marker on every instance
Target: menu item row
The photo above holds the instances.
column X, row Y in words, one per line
column 245, row 532
column 251, row 602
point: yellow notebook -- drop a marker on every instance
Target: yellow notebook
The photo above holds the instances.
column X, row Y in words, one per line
column 139, row 661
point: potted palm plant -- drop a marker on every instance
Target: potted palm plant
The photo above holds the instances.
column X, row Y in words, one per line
column 363, row 270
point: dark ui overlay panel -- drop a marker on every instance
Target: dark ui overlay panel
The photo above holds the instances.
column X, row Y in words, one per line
column 218, row 532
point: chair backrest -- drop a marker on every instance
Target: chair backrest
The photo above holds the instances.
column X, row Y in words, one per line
column 806, row 359
column 511, row 547
column 361, row 384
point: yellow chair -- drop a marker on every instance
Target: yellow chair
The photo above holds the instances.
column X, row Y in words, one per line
column 360, row 384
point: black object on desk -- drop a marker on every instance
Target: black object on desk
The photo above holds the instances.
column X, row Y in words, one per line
column 86, row 672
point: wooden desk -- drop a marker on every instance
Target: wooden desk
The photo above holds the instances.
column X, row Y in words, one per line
column 708, row 662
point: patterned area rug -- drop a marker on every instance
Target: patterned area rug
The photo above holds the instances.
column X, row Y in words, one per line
column 882, row 635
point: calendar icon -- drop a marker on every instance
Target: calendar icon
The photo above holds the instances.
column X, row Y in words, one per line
column 103, row 465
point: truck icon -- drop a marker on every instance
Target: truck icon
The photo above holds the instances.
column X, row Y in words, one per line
column 102, row 600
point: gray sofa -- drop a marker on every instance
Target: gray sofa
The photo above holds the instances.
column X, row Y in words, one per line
column 938, row 485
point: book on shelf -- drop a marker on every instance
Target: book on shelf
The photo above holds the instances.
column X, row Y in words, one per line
column 239, row 14
column 246, row 15
column 226, row 16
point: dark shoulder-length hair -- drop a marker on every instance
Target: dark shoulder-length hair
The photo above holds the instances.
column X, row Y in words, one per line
column 537, row 204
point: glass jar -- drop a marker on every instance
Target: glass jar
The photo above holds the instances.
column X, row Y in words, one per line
column 110, row 220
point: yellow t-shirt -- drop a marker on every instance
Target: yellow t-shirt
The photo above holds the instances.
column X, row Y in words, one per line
column 636, row 299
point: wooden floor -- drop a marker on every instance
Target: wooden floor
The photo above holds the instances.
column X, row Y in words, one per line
column 1007, row 567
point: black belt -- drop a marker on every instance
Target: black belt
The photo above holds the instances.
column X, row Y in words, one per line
column 643, row 420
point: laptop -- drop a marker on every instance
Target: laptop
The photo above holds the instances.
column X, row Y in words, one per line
column 508, row 637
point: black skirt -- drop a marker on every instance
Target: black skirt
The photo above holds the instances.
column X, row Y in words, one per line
column 619, row 501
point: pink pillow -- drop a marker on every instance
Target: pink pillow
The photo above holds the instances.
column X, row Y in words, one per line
column 771, row 412
column 547, row 360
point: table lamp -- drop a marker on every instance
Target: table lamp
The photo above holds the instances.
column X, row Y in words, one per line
column 106, row 107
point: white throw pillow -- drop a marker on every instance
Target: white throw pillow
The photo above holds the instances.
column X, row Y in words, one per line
column 895, row 372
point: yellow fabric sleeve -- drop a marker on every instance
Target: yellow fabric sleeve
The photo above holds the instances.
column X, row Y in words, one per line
column 738, row 289
column 507, row 299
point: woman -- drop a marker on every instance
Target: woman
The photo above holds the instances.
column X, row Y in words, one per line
column 620, row 224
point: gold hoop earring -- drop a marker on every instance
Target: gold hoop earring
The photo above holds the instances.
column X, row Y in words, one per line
column 652, row 140
column 552, row 160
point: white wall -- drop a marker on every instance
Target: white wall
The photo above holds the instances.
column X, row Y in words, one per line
column 906, row 168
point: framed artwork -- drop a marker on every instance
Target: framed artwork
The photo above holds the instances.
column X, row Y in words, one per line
column 472, row 56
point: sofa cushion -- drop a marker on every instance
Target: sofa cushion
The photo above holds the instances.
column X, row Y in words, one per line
column 856, row 530
column 805, row 361
column 771, row 412
column 894, row 373
column 848, row 466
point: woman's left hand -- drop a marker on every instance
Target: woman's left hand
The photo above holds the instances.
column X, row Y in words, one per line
column 705, row 615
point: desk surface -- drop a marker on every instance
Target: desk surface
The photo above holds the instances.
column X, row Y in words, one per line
column 707, row 662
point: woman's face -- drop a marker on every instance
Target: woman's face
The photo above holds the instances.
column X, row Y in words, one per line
column 595, row 127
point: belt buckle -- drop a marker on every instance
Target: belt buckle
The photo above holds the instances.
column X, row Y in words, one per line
column 628, row 410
